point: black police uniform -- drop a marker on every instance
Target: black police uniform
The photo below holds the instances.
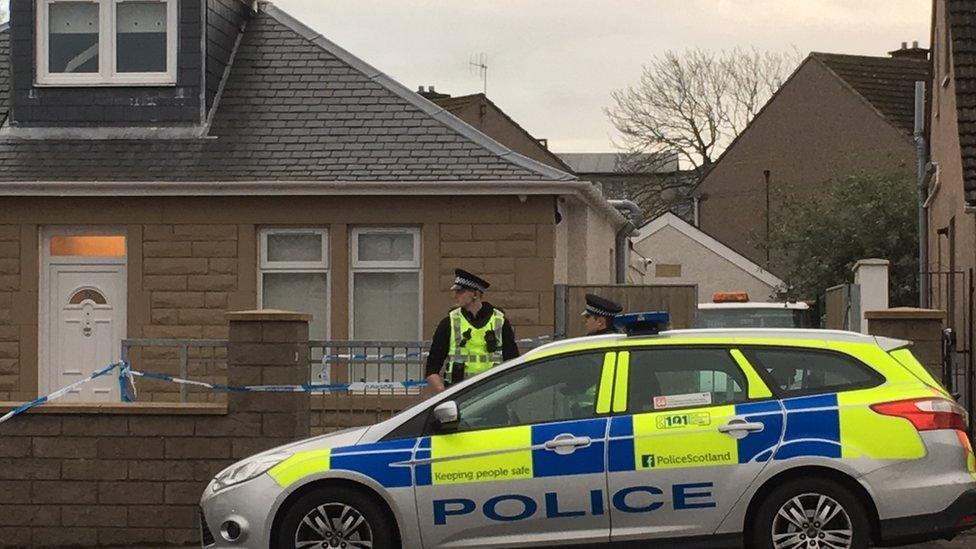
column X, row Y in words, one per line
column 441, row 342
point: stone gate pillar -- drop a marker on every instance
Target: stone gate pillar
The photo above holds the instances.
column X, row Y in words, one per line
column 270, row 347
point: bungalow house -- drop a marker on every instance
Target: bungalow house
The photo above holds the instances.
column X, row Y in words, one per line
column 835, row 115
column 164, row 162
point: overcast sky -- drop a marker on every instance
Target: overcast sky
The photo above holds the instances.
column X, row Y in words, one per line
column 553, row 63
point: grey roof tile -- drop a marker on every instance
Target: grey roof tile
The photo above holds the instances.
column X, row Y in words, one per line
column 887, row 83
column 295, row 106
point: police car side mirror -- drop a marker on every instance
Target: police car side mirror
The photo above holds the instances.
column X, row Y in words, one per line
column 446, row 413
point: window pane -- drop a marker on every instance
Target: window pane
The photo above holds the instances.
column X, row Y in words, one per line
column 295, row 247
column 672, row 372
column 302, row 292
column 141, row 37
column 386, row 306
column 794, row 370
column 88, row 246
column 73, row 37
column 386, row 246
column 555, row 390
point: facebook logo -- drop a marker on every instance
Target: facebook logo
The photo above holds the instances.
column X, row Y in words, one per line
column 647, row 460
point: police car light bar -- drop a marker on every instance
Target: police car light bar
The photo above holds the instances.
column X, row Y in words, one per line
column 648, row 323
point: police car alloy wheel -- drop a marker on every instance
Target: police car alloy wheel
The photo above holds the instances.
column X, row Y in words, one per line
column 811, row 514
column 338, row 518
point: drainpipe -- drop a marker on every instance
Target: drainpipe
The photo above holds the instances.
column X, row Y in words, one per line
column 635, row 217
column 923, row 191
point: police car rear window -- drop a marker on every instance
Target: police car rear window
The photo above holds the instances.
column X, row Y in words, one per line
column 805, row 371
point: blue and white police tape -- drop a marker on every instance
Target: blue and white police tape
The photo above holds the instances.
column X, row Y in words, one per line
column 303, row 388
column 57, row 394
column 127, row 377
column 365, row 357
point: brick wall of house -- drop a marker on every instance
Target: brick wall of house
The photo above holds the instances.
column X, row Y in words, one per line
column 9, row 331
column 517, row 258
column 188, row 275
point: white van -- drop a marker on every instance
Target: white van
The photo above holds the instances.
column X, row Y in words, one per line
column 734, row 310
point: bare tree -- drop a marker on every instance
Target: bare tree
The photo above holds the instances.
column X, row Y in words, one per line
column 691, row 104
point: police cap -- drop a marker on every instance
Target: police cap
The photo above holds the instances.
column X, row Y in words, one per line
column 598, row 306
column 463, row 280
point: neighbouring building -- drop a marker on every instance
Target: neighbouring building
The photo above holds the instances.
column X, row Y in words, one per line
column 677, row 252
column 836, row 115
column 655, row 181
column 179, row 159
column 951, row 135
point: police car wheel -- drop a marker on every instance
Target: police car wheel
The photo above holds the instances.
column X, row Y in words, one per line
column 811, row 514
column 336, row 517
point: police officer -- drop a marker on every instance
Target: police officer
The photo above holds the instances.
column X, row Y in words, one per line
column 472, row 338
column 599, row 314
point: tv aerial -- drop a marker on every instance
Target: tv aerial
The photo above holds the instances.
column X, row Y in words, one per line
column 478, row 63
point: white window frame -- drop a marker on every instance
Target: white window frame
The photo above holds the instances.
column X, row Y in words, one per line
column 300, row 267
column 295, row 266
column 358, row 265
column 107, row 60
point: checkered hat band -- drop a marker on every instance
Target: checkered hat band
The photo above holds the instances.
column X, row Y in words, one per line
column 593, row 310
column 461, row 281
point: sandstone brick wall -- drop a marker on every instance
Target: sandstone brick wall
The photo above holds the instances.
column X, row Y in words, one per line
column 331, row 413
column 188, row 275
column 133, row 474
column 113, row 479
column 517, row 258
column 189, row 272
column 9, row 330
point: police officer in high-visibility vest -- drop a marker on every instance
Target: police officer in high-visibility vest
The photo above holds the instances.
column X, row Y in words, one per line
column 599, row 314
column 472, row 338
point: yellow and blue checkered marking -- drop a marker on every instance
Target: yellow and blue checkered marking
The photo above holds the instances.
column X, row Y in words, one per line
column 795, row 427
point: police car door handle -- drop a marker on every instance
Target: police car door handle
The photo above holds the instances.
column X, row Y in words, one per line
column 740, row 425
column 566, row 443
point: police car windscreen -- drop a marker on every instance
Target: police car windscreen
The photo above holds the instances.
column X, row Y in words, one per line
column 753, row 318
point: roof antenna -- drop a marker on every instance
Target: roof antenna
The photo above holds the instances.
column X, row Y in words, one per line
column 479, row 63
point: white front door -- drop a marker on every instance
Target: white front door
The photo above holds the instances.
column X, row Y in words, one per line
column 84, row 304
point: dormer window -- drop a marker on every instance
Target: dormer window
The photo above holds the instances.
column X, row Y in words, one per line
column 106, row 42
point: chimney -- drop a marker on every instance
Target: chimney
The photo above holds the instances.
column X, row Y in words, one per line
column 432, row 95
column 913, row 52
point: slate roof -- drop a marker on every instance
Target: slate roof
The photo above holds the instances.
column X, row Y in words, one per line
column 296, row 107
column 962, row 25
column 887, row 83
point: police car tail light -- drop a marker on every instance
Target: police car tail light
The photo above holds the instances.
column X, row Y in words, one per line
column 928, row 414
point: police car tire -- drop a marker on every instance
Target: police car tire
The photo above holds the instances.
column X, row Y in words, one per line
column 766, row 512
column 383, row 526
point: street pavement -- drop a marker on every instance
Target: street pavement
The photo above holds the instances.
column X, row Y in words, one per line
column 965, row 541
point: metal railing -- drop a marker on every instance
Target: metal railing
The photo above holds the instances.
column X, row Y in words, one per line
column 200, row 359
column 338, row 361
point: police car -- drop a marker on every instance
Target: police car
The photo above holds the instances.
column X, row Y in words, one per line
column 762, row 438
